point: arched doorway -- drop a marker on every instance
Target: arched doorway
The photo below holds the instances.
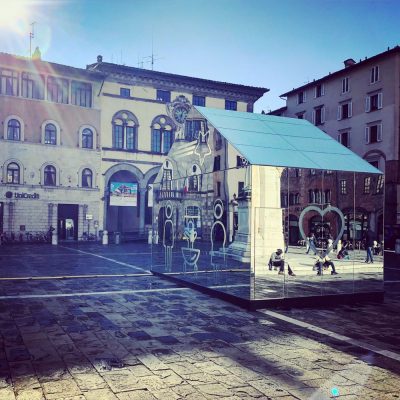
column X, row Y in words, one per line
column 124, row 215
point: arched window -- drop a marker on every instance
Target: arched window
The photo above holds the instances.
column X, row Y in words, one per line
column 87, row 138
column 13, row 130
column 49, row 176
column 162, row 134
column 13, row 173
column 87, row 178
column 124, row 125
column 50, row 134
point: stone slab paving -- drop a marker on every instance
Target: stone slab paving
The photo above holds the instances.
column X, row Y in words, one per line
column 156, row 340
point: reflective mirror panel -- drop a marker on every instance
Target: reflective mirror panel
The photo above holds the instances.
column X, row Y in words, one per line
column 264, row 232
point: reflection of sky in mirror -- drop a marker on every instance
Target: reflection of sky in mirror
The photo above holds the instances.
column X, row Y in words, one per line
column 278, row 45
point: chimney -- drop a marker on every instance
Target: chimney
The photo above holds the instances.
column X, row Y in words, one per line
column 99, row 59
column 349, row 62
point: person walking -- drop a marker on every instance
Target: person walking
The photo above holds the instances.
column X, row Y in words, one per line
column 312, row 244
column 369, row 244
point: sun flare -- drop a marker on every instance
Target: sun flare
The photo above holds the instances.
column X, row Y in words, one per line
column 12, row 12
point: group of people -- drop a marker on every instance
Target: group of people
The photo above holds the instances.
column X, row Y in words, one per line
column 323, row 259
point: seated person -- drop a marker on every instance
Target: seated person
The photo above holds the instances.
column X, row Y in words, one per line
column 276, row 260
column 325, row 262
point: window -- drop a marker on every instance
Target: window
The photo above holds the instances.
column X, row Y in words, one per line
column 374, row 74
column 241, row 161
column 124, row 125
column 311, row 196
column 344, row 138
column 130, row 137
column 8, row 82
column 192, row 129
column 374, row 164
column 301, row 97
column 301, row 115
column 218, row 189
column 294, row 199
column 313, row 172
column 13, row 173
column 13, row 130
column 345, row 85
column 32, row 86
column 345, row 110
column 199, row 101
column 379, row 184
column 343, row 186
column 167, row 179
column 373, row 102
column 87, row 138
column 328, row 195
column 218, row 140
column 328, row 172
column 125, row 92
column 240, row 188
column 162, row 135
column 373, row 133
column 319, row 90
column 284, row 200
column 217, row 163
column 230, row 105
column 81, row 94
column 87, row 178
column 49, row 176
column 50, row 134
column 164, row 96
column 367, row 185
column 57, row 90
column 319, row 115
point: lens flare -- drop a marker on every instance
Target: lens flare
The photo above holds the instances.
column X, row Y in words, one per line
column 14, row 14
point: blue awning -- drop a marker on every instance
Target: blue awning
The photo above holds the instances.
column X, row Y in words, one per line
column 284, row 142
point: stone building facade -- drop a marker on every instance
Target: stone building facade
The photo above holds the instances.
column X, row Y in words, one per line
column 359, row 106
column 143, row 112
column 49, row 149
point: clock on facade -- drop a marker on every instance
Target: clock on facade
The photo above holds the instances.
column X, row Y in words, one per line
column 180, row 114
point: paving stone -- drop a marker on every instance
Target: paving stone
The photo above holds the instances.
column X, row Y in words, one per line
column 136, row 395
column 7, row 394
column 151, row 362
column 123, row 381
column 89, row 381
column 101, row 394
column 30, row 394
column 215, row 389
column 60, row 388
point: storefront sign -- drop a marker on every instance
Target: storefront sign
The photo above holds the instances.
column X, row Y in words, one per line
column 123, row 194
column 22, row 195
column 89, row 216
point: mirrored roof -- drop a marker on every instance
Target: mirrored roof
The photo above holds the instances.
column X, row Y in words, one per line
column 285, row 142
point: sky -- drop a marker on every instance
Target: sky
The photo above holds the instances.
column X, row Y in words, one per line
column 277, row 45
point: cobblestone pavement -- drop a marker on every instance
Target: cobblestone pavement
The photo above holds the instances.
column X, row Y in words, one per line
column 140, row 337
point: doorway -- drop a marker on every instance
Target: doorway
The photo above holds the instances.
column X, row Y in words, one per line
column 67, row 221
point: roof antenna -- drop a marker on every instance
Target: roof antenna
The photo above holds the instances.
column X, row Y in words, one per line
column 31, row 36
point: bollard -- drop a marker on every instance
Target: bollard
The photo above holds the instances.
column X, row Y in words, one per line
column 54, row 239
column 397, row 246
column 105, row 237
column 150, row 236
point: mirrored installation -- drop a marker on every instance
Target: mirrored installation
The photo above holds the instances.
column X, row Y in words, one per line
column 259, row 209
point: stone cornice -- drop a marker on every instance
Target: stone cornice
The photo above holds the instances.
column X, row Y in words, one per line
column 162, row 80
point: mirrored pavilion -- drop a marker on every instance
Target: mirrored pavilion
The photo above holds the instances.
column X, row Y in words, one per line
column 264, row 210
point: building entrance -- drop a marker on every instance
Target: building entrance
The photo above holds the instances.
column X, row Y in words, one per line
column 68, row 221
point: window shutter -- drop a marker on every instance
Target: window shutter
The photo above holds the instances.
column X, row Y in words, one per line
column 339, row 112
column 367, row 104
column 380, row 100
column 322, row 115
column 379, row 133
column 367, row 134
column 348, row 140
column 313, row 117
column 304, row 96
column 339, row 138
column 315, row 92
column 323, row 89
column 351, row 109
